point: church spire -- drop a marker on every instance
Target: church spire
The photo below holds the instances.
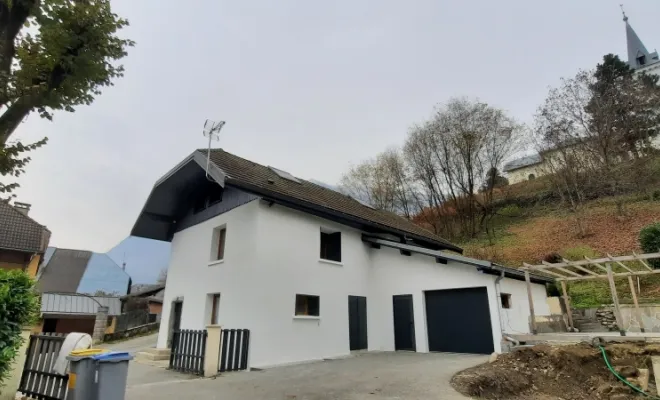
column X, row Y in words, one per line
column 625, row 17
column 638, row 56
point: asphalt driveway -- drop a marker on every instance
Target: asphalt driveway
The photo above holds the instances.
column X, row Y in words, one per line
column 371, row 376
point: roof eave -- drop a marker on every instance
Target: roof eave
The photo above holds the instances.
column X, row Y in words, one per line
column 200, row 159
column 481, row 265
column 328, row 213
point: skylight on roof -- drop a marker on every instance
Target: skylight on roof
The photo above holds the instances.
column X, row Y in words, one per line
column 285, row 175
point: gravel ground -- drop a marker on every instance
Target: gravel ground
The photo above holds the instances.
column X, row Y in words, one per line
column 400, row 375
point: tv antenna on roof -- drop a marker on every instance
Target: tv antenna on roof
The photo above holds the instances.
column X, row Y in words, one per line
column 212, row 130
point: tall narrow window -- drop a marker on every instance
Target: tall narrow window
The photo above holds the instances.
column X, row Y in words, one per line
column 218, row 243
column 505, row 299
column 215, row 307
column 331, row 246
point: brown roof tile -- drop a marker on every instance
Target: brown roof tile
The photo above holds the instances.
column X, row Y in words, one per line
column 242, row 171
column 20, row 232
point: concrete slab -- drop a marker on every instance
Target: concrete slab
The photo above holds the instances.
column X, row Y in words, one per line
column 578, row 337
column 387, row 375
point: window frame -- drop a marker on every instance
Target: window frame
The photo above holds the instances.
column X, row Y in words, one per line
column 310, row 310
column 215, row 308
column 218, row 245
column 326, row 254
column 505, row 300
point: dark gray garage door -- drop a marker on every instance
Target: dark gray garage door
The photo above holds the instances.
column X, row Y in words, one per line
column 458, row 321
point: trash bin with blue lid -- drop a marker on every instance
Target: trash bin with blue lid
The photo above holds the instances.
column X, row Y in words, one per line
column 82, row 374
column 112, row 369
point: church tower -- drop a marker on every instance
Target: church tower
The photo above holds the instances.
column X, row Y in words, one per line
column 639, row 58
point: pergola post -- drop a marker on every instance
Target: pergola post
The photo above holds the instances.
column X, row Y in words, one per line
column 637, row 310
column 615, row 299
column 567, row 302
column 532, row 317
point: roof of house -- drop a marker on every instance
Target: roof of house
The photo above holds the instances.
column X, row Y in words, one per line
column 20, row 232
column 147, row 291
column 80, row 271
column 71, row 303
column 265, row 181
column 522, row 162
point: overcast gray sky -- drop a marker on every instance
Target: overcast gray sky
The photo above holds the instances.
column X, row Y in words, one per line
column 305, row 86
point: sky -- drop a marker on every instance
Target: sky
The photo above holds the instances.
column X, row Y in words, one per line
column 309, row 87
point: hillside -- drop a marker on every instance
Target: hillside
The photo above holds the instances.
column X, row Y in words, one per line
column 529, row 232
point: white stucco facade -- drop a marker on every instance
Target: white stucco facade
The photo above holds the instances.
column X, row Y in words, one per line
column 272, row 254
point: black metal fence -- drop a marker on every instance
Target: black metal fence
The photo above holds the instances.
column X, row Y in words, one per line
column 235, row 347
column 188, row 349
column 133, row 319
column 38, row 380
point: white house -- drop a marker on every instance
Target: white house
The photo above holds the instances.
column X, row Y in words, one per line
column 313, row 273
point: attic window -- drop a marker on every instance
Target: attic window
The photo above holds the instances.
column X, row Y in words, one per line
column 285, row 175
column 641, row 60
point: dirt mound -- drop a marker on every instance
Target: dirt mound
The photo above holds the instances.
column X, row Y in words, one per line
column 574, row 372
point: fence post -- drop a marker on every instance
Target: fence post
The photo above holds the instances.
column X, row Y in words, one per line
column 212, row 350
column 100, row 324
column 8, row 391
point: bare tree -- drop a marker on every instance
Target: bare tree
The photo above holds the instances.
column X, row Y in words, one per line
column 162, row 277
column 452, row 154
column 570, row 149
column 383, row 182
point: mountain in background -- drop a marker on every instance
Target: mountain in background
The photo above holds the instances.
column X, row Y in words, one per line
column 144, row 258
column 325, row 185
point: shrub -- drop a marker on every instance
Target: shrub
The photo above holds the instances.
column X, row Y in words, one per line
column 649, row 241
column 656, row 194
column 511, row 210
column 19, row 306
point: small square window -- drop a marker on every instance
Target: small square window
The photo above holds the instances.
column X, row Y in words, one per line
column 218, row 243
column 505, row 298
column 331, row 246
column 307, row 305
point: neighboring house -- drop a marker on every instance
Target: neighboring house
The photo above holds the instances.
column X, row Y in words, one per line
column 73, row 283
column 23, row 240
column 151, row 294
column 524, row 168
column 313, row 273
column 81, row 271
column 65, row 313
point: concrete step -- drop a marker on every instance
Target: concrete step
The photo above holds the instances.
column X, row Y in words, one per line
column 153, row 355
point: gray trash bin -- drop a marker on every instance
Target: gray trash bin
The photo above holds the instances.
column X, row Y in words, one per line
column 82, row 374
column 112, row 373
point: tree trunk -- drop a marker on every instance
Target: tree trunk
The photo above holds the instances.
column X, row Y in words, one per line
column 12, row 117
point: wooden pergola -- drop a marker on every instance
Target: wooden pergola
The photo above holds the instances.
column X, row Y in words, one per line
column 601, row 268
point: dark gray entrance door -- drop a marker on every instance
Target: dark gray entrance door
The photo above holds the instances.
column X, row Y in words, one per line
column 175, row 318
column 177, row 315
column 404, row 322
column 357, row 322
column 458, row 321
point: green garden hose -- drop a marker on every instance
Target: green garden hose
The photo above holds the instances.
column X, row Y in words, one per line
column 624, row 380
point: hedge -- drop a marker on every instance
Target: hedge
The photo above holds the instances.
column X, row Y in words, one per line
column 19, row 306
